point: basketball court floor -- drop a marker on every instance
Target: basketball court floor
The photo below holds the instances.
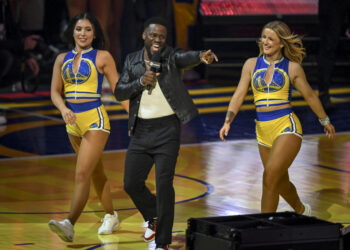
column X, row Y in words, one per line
column 213, row 178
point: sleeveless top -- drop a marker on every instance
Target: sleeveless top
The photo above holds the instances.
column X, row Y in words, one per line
column 278, row 91
column 86, row 83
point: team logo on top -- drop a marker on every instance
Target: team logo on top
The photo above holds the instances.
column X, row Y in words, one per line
column 83, row 74
column 277, row 83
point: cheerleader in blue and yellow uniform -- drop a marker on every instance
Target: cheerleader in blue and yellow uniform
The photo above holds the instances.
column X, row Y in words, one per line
column 79, row 73
column 278, row 130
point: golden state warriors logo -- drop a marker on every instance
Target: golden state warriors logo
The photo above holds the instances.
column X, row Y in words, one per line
column 83, row 74
column 277, row 83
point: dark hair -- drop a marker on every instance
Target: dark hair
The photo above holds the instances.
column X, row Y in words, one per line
column 99, row 40
column 155, row 20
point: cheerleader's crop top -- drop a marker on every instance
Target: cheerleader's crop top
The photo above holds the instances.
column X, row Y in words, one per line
column 86, row 83
column 278, row 91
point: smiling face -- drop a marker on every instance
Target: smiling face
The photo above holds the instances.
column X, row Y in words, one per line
column 154, row 37
column 271, row 43
column 83, row 34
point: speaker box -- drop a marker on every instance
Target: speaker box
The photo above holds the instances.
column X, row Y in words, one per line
column 268, row 231
column 346, row 237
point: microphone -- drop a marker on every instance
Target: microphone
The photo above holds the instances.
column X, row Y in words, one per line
column 155, row 66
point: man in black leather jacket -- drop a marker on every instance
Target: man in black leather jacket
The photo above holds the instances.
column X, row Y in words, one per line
column 159, row 103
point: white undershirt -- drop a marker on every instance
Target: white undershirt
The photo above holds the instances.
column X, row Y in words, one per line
column 154, row 105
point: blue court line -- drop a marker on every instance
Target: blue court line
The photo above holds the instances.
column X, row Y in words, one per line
column 331, row 168
column 208, row 186
column 101, row 245
column 210, row 189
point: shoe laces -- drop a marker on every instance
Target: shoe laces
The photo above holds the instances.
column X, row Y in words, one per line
column 106, row 217
column 66, row 224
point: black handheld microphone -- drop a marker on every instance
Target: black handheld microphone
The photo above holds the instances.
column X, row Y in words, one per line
column 155, row 66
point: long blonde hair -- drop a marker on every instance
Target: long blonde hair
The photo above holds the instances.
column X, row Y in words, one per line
column 292, row 44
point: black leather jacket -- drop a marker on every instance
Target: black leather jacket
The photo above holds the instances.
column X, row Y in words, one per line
column 173, row 62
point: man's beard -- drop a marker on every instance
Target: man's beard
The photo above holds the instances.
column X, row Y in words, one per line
column 148, row 50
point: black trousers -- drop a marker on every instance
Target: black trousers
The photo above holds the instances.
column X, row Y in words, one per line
column 155, row 141
column 331, row 19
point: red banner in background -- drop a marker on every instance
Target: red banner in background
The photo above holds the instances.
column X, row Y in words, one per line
column 257, row 7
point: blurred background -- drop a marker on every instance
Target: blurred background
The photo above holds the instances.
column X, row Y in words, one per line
column 30, row 33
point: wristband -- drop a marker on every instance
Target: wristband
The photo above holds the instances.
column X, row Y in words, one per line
column 325, row 121
column 141, row 81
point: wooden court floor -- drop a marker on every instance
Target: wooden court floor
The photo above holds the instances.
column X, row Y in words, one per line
column 213, row 178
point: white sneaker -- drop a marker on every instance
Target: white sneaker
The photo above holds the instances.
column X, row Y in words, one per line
column 150, row 232
column 110, row 222
column 307, row 210
column 145, row 224
column 64, row 229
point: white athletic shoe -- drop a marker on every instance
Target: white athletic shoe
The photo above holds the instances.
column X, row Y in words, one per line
column 150, row 232
column 64, row 229
column 110, row 222
column 307, row 210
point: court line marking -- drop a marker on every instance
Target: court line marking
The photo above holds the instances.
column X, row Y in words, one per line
column 233, row 141
column 31, row 113
column 209, row 190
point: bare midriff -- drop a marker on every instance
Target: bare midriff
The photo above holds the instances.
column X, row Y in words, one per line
column 81, row 100
column 273, row 108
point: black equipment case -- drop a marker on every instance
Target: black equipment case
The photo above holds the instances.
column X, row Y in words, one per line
column 268, row 231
